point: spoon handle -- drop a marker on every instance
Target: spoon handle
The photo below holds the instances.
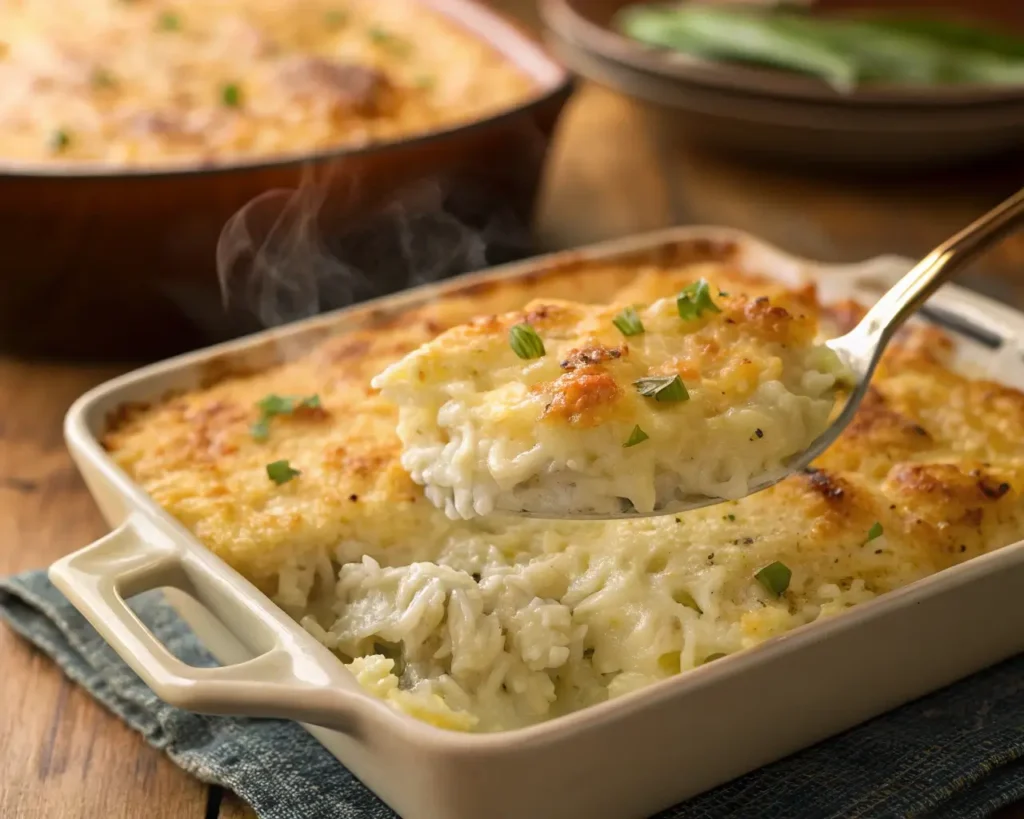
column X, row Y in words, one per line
column 910, row 292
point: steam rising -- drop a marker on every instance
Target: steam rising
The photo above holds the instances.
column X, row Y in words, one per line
column 293, row 253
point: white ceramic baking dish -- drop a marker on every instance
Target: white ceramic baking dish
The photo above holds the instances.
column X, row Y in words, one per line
column 623, row 759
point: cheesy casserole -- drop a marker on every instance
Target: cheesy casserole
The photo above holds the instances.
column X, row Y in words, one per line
column 293, row 476
column 589, row 409
column 146, row 82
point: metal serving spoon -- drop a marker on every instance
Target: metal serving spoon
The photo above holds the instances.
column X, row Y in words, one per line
column 861, row 348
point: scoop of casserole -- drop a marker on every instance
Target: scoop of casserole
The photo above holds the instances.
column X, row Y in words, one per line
column 582, row 409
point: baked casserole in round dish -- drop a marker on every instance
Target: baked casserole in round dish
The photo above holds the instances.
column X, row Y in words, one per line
column 131, row 133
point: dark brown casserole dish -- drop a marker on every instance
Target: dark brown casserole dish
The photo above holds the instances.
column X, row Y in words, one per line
column 116, row 254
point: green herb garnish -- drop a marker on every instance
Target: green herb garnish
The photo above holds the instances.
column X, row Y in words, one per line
column 231, row 95
column 385, row 39
column 775, row 578
column 169, row 21
column 335, row 18
column 684, row 598
column 662, row 388
column 628, row 322
column 284, row 404
column 272, row 405
column 874, row 531
column 525, row 342
column 101, row 78
column 637, row 436
column 281, row 472
column 695, row 299
column 59, row 140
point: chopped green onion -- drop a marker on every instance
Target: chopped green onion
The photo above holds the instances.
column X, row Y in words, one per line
column 231, row 95
column 695, row 299
column 730, row 518
column 662, row 388
column 169, row 21
column 101, row 78
column 281, row 472
column 525, row 342
column 335, row 18
column 775, row 578
column 874, row 531
column 284, row 404
column 628, row 322
column 637, row 436
column 275, row 405
column 59, row 140
column 684, row 598
column 272, row 405
column 385, row 39
column 260, row 430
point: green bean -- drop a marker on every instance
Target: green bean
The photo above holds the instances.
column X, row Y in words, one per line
column 842, row 52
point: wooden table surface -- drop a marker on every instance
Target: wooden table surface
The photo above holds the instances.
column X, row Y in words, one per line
column 62, row 755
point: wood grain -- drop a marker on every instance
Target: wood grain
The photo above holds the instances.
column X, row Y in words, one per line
column 231, row 807
column 63, row 756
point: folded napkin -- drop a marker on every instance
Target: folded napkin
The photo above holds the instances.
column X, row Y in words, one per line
column 955, row 754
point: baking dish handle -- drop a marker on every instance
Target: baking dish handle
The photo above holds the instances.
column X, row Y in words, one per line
column 291, row 678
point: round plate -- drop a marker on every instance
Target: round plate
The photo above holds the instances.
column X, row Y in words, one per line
column 802, row 130
column 587, row 24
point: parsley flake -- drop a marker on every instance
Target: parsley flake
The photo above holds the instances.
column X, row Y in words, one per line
column 662, row 388
column 775, row 578
column 281, row 472
column 168, row 21
column 272, row 405
column 694, row 300
column 101, row 78
column 637, row 436
column 59, row 140
column 628, row 322
column 335, row 18
column 231, row 95
column 385, row 39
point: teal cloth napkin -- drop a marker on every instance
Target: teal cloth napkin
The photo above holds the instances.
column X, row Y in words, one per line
column 955, row 754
